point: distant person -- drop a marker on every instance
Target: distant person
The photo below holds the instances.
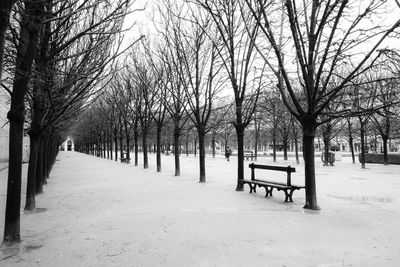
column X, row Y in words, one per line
column 228, row 152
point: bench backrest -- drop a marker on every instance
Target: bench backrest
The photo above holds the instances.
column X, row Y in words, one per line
column 287, row 169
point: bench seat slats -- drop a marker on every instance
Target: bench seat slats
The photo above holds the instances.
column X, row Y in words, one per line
column 273, row 168
column 279, row 184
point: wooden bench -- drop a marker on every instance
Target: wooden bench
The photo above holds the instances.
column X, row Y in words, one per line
column 124, row 159
column 287, row 187
column 248, row 155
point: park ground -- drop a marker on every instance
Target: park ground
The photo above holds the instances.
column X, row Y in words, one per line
column 97, row 212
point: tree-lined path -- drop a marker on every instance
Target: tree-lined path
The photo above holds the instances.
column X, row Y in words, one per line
column 104, row 213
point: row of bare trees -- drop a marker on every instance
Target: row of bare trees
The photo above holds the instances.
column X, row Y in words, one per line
column 55, row 57
column 320, row 56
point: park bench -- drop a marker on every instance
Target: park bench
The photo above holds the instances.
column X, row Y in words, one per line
column 124, row 158
column 248, row 155
column 287, row 187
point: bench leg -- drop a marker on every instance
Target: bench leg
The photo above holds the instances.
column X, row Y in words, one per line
column 288, row 195
column 268, row 192
column 252, row 188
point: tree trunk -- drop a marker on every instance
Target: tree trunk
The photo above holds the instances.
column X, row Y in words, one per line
column 309, row 165
column 116, row 143
column 274, row 146
column 351, row 144
column 187, row 145
column 127, row 137
column 326, row 150
column 29, row 36
column 256, row 141
column 296, row 148
column 136, row 140
column 240, row 157
column 202, row 155
column 158, row 147
column 104, row 144
column 213, row 145
column 91, row 144
column 195, row 147
column 39, row 168
column 12, row 218
column 110, row 145
column 46, row 170
column 144, row 146
column 285, row 148
column 362, row 137
column 385, row 149
column 35, row 136
column 176, row 151
column 30, row 203
column 121, row 146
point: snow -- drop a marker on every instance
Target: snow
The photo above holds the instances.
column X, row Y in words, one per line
column 97, row 212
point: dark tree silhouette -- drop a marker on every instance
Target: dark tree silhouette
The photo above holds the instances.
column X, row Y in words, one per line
column 31, row 24
column 322, row 39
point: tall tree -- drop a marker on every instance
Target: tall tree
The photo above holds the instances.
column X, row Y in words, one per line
column 70, row 63
column 323, row 38
column 171, row 58
column 385, row 80
column 199, row 77
column 160, row 110
column 237, row 51
column 31, row 24
column 144, row 79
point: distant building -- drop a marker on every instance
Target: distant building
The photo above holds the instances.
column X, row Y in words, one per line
column 68, row 145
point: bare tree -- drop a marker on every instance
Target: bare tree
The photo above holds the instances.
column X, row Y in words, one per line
column 237, row 51
column 173, row 62
column 295, row 135
column 61, row 84
column 160, row 110
column 284, row 127
column 67, row 71
column 331, row 128
column 29, row 35
column 272, row 106
column 154, row 52
column 322, row 39
column 385, row 82
column 199, row 76
column 144, row 79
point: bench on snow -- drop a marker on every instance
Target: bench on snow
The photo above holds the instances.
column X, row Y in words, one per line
column 287, row 187
column 124, row 158
column 248, row 155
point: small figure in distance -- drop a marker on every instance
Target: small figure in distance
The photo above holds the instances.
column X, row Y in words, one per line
column 228, row 152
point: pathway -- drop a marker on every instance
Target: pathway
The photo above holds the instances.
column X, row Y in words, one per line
column 98, row 212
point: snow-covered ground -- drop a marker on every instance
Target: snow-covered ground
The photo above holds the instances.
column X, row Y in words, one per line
column 98, row 212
